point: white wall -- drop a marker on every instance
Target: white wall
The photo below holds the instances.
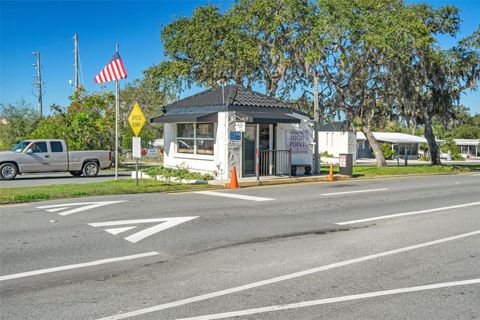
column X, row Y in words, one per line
column 220, row 164
column 337, row 142
column 214, row 165
column 283, row 128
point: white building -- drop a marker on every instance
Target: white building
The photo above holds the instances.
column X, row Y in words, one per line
column 217, row 129
column 469, row 148
column 336, row 138
column 402, row 144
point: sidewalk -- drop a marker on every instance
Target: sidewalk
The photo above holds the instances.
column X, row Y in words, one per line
column 275, row 180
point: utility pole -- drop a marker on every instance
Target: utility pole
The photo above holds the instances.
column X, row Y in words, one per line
column 38, row 82
column 316, row 119
column 75, row 38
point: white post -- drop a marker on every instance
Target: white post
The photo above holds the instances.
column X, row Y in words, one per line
column 257, row 151
column 270, row 147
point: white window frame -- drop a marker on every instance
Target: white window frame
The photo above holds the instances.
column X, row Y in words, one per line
column 195, row 154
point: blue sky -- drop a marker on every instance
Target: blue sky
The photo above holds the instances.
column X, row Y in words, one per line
column 27, row 26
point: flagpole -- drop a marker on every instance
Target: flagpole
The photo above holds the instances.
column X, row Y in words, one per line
column 117, row 107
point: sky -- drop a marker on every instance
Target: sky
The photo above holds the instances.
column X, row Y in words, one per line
column 49, row 26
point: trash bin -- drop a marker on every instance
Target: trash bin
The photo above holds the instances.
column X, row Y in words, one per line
column 346, row 164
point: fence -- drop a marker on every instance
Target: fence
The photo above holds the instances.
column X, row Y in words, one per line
column 275, row 162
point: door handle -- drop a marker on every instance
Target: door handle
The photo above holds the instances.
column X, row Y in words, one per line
column 47, row 156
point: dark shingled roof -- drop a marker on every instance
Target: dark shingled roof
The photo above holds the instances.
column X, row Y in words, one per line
column 235, row 95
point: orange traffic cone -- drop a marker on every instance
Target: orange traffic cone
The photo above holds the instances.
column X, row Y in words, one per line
column 233, row 181
column 330, row 174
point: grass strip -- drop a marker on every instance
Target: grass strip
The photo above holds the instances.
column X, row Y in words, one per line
column 62, row 191
column 371, row 171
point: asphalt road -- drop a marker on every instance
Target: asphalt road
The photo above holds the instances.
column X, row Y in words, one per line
column 405, row 248
column 46, row 179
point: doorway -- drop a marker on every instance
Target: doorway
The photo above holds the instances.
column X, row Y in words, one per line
column 265, row 142
column 248, row 150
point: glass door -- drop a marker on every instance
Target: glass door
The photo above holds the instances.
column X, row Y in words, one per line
column 248, row 150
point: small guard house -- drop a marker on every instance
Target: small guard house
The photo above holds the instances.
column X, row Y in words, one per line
column 212, row 131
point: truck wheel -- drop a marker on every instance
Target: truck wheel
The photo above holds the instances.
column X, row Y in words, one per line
column 8, row 171
column 90, row 169
column 76, row 173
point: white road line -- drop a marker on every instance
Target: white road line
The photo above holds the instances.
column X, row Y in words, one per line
column 356, row 191
column 57, row 209
column 76, row 266
column 84, row 206
column 166, row 223
column 409, row 213
column 235, row 196
column 310, row 303
column 283, row 278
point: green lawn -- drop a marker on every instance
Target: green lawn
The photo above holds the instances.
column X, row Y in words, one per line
column 371, row 171
column 38, row 193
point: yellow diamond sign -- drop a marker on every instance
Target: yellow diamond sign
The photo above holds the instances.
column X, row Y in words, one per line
column 136, row 119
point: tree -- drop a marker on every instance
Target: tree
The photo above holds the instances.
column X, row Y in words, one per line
column 360, row 40
column 86, row 124
column 253, row 42
column 273, row 27
column 206, row 48
column 434, row 80
column 466, row 131
column 21, row 119
column 147, row 94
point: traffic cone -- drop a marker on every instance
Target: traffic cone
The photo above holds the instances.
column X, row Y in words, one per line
column 233, row 181
column 330, row 174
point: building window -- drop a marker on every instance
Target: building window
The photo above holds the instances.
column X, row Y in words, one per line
column 195, row 138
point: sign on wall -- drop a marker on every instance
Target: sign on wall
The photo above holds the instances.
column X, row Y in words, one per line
column 240, row 126
column 298, row 141
column 235, row 136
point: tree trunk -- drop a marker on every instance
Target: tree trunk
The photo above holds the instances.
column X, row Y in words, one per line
column 272, row 85
column 432, row 144
column 377, row 150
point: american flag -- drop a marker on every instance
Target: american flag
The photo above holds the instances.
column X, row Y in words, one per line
column 114, row 70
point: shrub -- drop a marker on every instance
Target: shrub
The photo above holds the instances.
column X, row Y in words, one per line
column 180, row 173
column 387, row 150
column 325, row 154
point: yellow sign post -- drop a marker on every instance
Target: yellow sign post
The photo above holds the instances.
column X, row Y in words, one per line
column 136, row 119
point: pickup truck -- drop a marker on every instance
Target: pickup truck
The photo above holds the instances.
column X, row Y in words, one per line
column 36, row 155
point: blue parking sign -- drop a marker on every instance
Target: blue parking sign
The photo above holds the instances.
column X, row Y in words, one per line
column 235, row 135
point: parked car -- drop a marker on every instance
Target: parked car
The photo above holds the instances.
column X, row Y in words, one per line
column 33, row 156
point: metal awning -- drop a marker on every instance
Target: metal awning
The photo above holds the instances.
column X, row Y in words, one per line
column 186, row 117
column 267, row 117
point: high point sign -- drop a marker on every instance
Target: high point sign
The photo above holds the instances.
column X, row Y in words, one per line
column 298, row 141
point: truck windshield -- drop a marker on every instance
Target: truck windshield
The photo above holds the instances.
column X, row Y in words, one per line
column 20, row 146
